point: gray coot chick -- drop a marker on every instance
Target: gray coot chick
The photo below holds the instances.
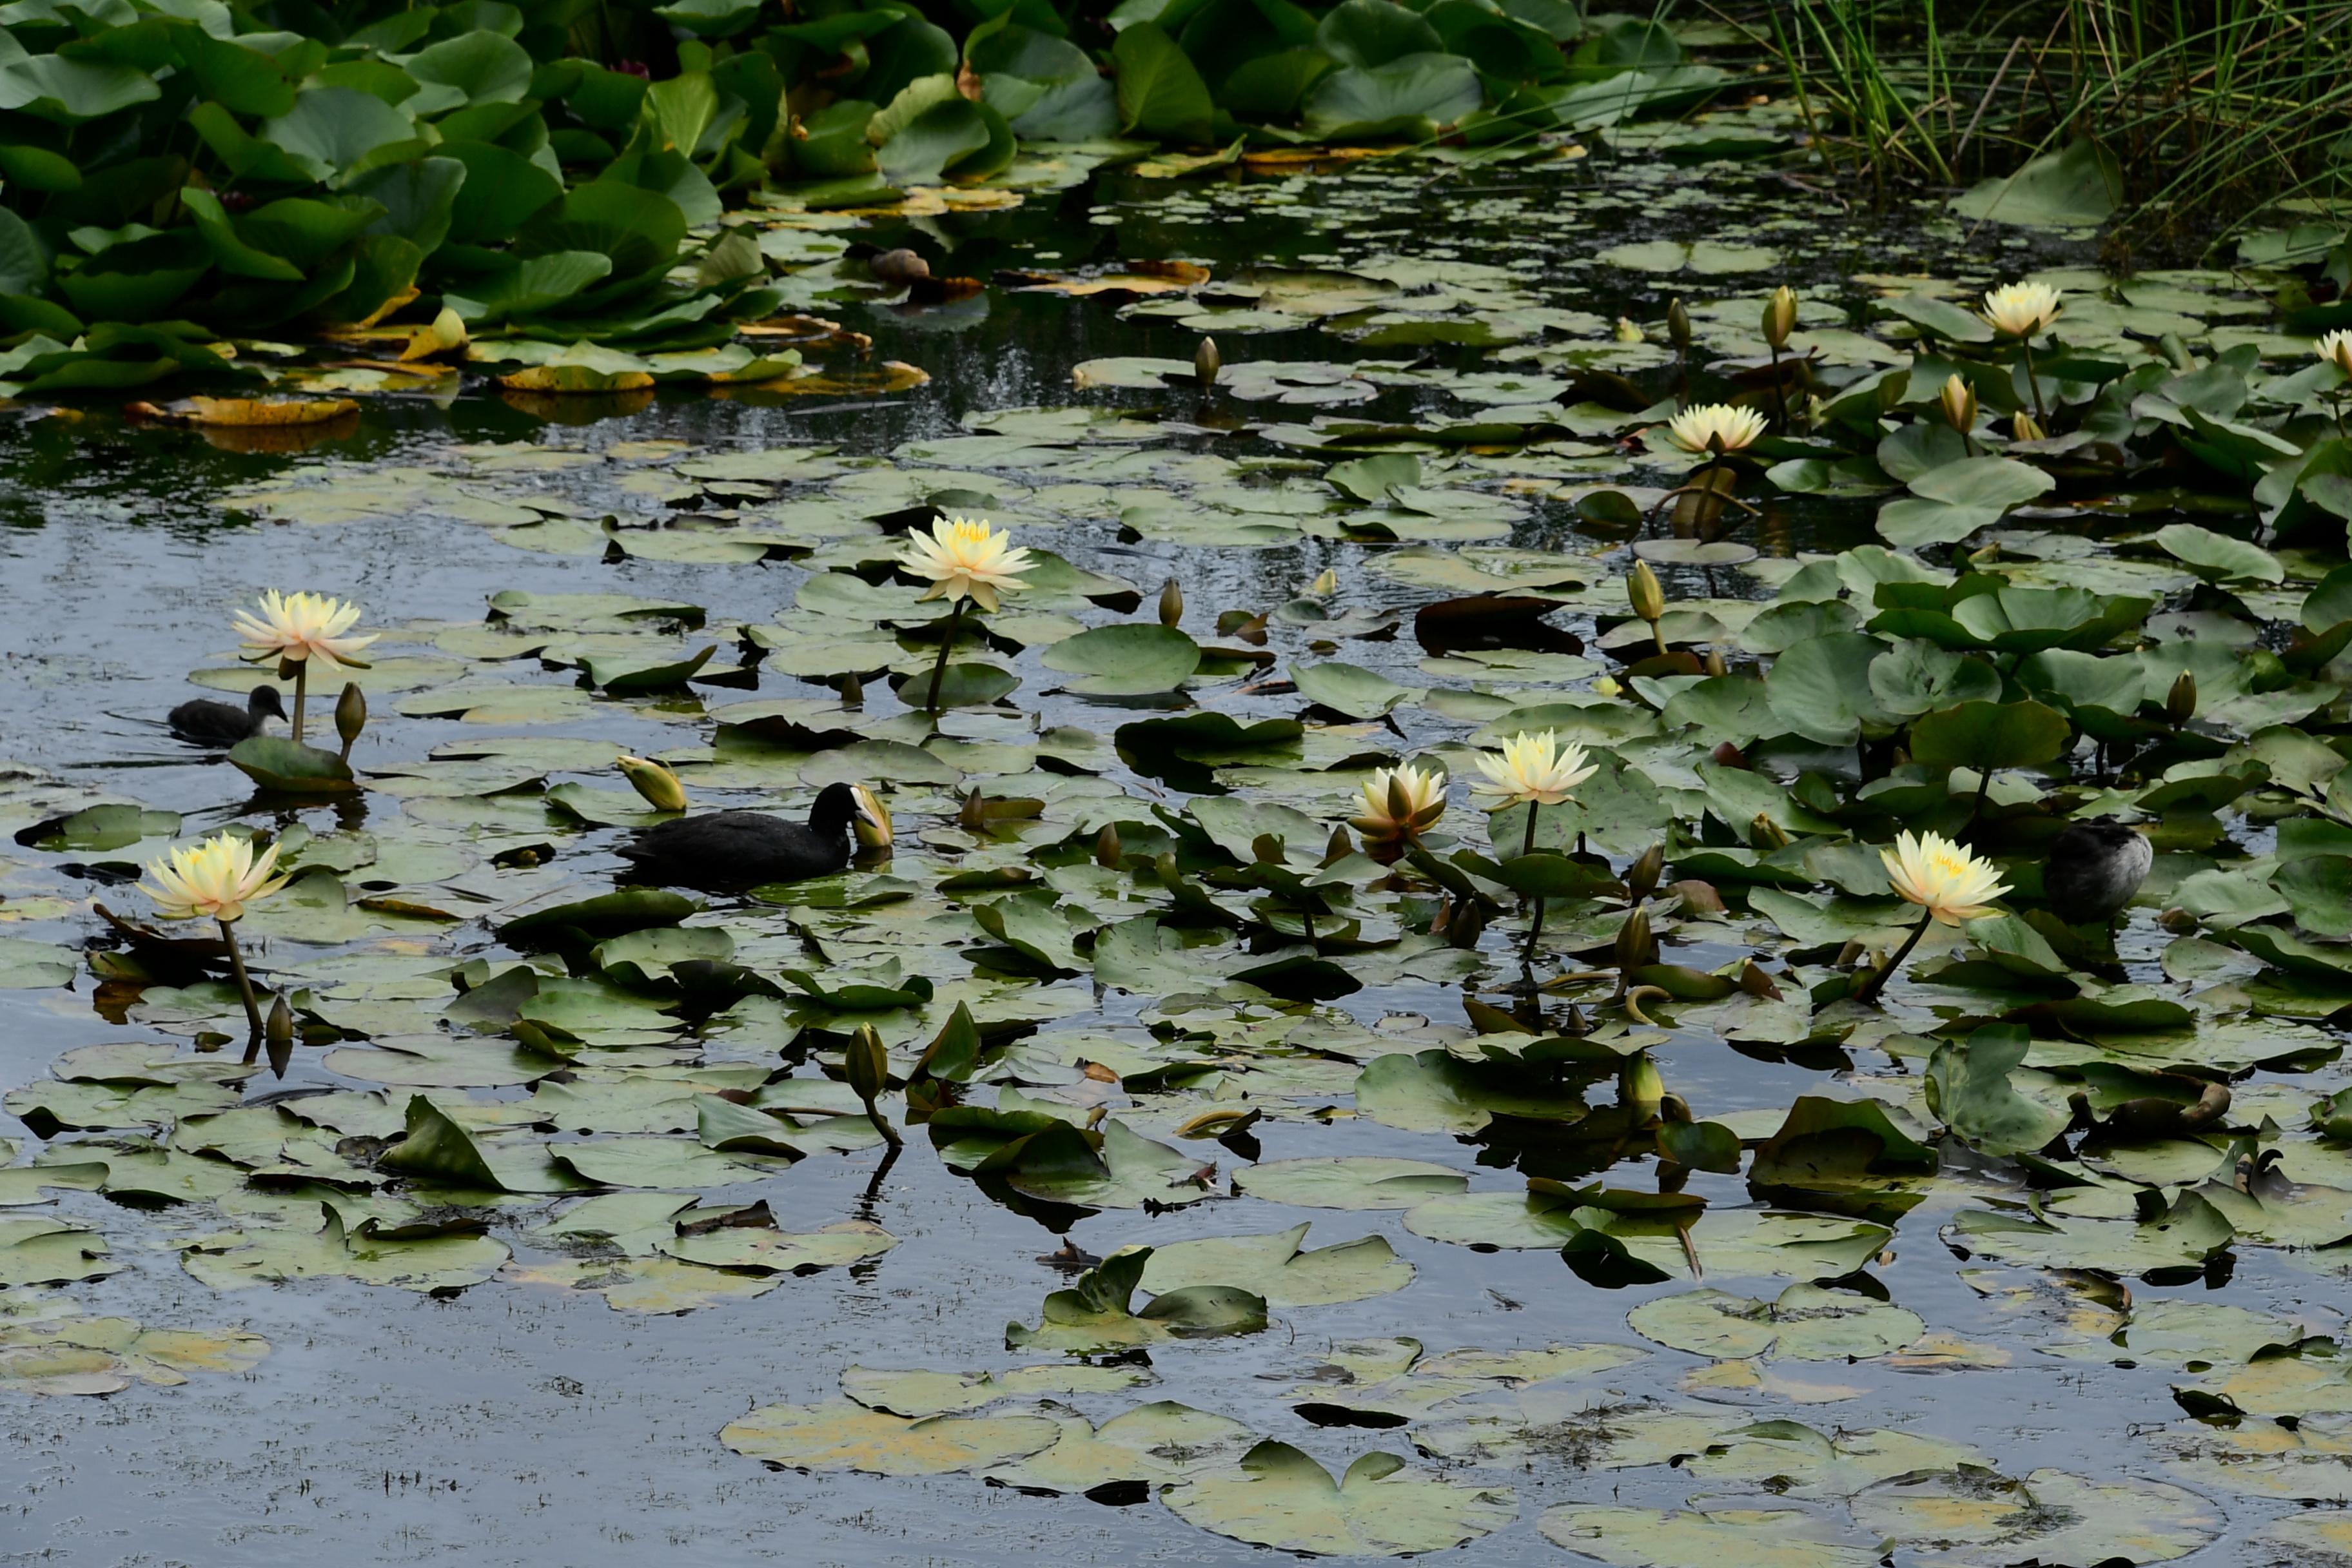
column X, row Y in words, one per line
column 2093, row 869
column 205, row 722
column 728, row 851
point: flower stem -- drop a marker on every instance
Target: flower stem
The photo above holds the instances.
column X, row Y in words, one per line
column 2034, row 385
column 1528, row 845
column 1780, row 390
column 243, row 986
column 302, row 692
column 1877, row 982
column 947, row 647
column 1535, row 932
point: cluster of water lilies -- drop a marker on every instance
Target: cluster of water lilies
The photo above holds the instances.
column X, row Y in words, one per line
column 218, row 877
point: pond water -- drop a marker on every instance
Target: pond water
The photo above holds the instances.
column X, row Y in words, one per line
column 516, row 1415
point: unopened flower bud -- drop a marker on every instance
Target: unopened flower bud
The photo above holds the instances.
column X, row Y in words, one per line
column 1779, row 316
column 1958, row 400
column 1642, row 876
column 1768, row 833
column 1678, row 331
column 280, row 1034
column 853, row 693
column 2025, row 426
column 1108, row 849
column 2180, row 702
column 1626, row 331
column 1714, row 664
column 867, row 1064
column 1640, row 1086
column 872, row 821
column 1207, row 361
column 1635, row 946
column 1172, row 603
column 351, row 715
column 1649, row 600
column 655, row 782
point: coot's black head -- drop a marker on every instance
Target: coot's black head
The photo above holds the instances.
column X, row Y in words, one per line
column 263, row 702
column 836, row 809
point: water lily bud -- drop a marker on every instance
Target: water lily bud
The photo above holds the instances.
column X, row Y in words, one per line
column 1714, row 664
column 2180, row 702
column 655, row 782
column 1606, row 686
column 872, row 821
column 867, row 1064
column 2026, row 427
column 853, row 693
column 351, row 715
column 1172, row 603
column 1207, row 361
column 1326, row 583
column 2336, row 349
column 280, row 1034
column 1627, row 332
column 1768, row 833
column 1781, row 316
column 1959, row 404
column 1338, row 847
column 1678, row 327
column 1635, row 945
column 1641, row 1088
column 1108, row 849
column 1642, row 876
column 1649, row 600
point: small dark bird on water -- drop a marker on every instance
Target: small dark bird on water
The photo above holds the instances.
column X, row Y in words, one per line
column 730, row 851
column 205, row 722
column 2093, row 869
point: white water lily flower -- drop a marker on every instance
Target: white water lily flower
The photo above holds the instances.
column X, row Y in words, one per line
column 2022, row 310
column 1534, row 768
column 965, row 559
column 1698, row 429
column 2336, row 348
column 215, row 877
column 1948, row 881
column 295, row 628
column 1399, row 805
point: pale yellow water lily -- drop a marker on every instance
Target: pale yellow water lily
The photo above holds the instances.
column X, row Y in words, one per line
column 215, row 877
column 1699, row 428
column 872, row 822
column 2022, row 310
column 295, row 628
column 1532, row 770
column 963, row 558
column 1948, row 881
column 1397, row 805
column 2336, row 348
column 660, row 787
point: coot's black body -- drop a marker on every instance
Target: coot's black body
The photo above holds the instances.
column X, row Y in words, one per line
column 205, row 722
column 728, row 851
column 2094, row 869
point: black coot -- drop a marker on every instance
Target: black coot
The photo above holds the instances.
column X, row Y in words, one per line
column 2095, row 868
column 205, row 722
column 728, row 851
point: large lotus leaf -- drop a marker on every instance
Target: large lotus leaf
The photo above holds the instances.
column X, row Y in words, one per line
column 915, row 1393
column 760, row 1249
column 69, row 91
column 1914, row 677
column 2078, row 187
column 1093, row 1315
column 637, row 231
column 1274, row 1267
column 472, row 68
column 289, row 767
column 1968, row 1086
column 2318, row 890
column 1821, row 688
column 1127, row 1170
column 331, row 130
column 498, row 191
column 1350, row 1182
column 1370, row 32
column 1348, row 688
column 1408, row 96
column 1130, row 660
column 2179, row 1238
column 50, row 1252
column 1152, row 1444
column 1656, row 1538
column 949, row 134
column 1381, row 1507
column 1161, row 93
column 1807, row 1323
column 1986, row 736
column 1433, row 1091
column 423, row 1256
column 2217, row 557
column 1971, row 1515
column 845, row 1437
